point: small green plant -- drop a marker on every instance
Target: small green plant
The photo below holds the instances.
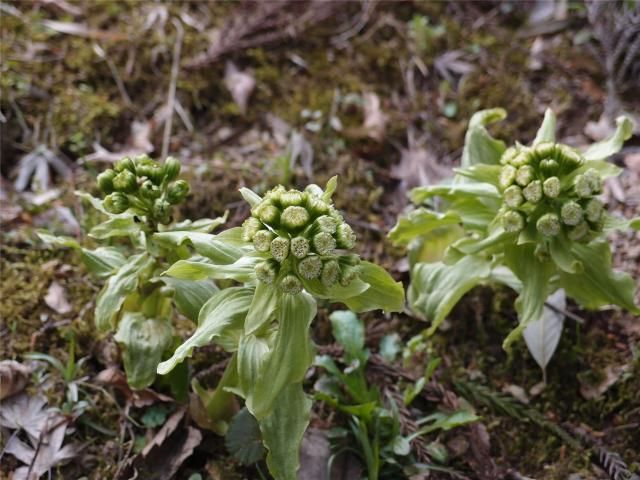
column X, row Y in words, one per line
column 135, row 302
column 293, row 249
column 528, row 217
column 374, row 426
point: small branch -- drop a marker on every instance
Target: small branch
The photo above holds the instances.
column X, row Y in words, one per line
column 175, row 69
column 566, row 313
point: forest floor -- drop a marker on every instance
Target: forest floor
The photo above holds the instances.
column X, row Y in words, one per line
column 378, row 93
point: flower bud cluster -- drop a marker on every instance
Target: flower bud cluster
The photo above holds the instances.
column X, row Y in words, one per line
column 540, row 185
column 143, row 185
column 305, row 238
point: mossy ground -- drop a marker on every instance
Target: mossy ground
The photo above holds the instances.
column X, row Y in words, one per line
column 61, row 88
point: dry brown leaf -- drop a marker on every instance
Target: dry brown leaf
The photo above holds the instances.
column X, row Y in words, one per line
column 612, row 374
column 82, row 30
column 22, row 412
column 375, row 120
column 14, row 376
column 162, row 456
column 115, row 378
column 240, row 84
column 56, row 298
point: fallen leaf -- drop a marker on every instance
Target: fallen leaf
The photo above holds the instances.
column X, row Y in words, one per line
column 612, row 374
column 315, row 455
column 14, row 376
column 82, row 30
column 56, row 298
column 23, row 412
column 418, row 166
column 33, row 169
column 46, row 451
column 139, row 142
column 375, row 120
column 162, row 456
column 115, row 378
column 516, row 392
column 240, row 84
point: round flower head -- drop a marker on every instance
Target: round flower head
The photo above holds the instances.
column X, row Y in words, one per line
column 316, row 206
column 545, row 150
column 125, row 164
column 582, row 186
column 266, row 271
column 548, row 225
column 513, row 196
column 291, row 198
column 348, row 274
column 310, row 267
column 523, row 158
column 325, row 223
column 162, row 211
column 268, row 214
column 116, row 202
column 512, row 221
column 299, row 247
column 262, row 240
column 579, row 232
column 593, row 210
column 571, row 158
column 549, row 166
column 125, row 181
column 105, row 181
column 507, row 176
column 594, row 180
column 508, row 155
column 345, row 236
column 280, row 248
column 291, row 284
column 294, row 218
column 178, row 191
column 171, row 168
column 524, row 175
column 551, row 187
column 323, row 243
column 250, row 227
column 330, row 273
column 533, row 191
column 314, row 189
column 571, row 213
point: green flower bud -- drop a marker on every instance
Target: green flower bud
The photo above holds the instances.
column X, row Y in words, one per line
column 314, row 189
column 171, row 168
column 582, row 187
column 177, row 192
column 323, row 243
column 292, row 198
column 316, row 206
column 571, row 213
column 548, row 225
column 533, row 192
column 325, row 223
column 310, row 267
column 268, row 213
column 149, row 191
column 125, row 164
column 143, row 159
column 513, row 196
column 105, row 181
column 349, row 259
column 508, row 155
column 266, row 271
column 345, row 236
column 330, row 273
column 523, row 158
column 546, row 150
column 262, row 240
column 549, row 166
column 280, row 248
column 571, row 158
column 274, row 194
column 299, row 247
column 551, row 187
column 294, row 218
column 579, row 232
column 156, row 174
column 348, row 275
column 116, row 202
column 512, row 221
column 291, row 285
column 250, row 227
column 524, row 175
column 594, row 180
column 507, row 176
column 593, row 210
column 125, row 181
column 162, row 211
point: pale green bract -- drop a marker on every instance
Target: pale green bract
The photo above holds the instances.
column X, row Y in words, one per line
column 301, row 254
column 525, row 216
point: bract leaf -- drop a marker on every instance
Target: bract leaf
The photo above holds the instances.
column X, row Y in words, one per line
column 542, row 335
column 547, row 131
column 606, row 148
column 479, row 146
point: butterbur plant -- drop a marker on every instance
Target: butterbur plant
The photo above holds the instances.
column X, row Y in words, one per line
column 527, row 216
column 294, row 249
column 135, row 302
